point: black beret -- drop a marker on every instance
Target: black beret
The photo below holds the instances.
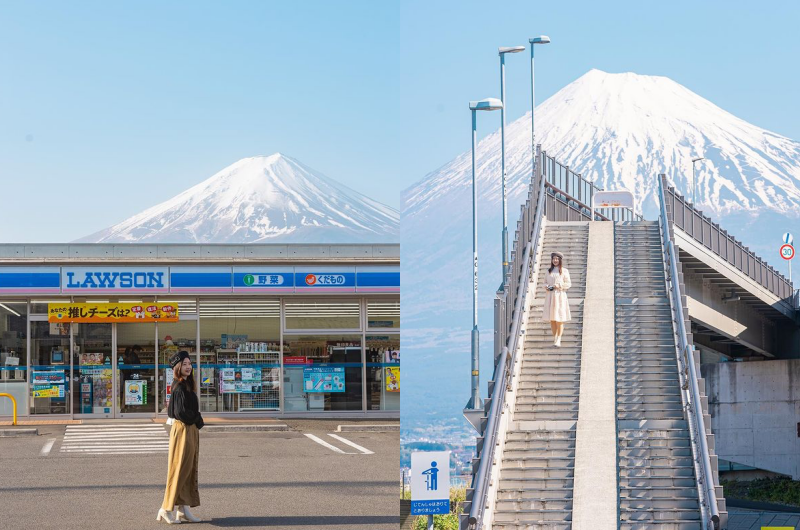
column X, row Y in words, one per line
column 176, row 358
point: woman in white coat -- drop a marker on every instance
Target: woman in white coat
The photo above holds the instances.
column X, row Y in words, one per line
column 556, row 305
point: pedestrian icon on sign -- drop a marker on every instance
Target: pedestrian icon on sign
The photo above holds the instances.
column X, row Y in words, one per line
column 431, row 480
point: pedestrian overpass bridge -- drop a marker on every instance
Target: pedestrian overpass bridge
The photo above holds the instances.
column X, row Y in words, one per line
column 612, row 429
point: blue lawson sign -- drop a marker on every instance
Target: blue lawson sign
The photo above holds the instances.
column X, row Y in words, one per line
column 430, row 482
column 114, row 279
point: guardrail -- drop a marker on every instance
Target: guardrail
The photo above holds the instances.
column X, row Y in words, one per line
column 14, row 405
column 518, row 277
column 574, row 193
column 690, row 390
column 709, row 234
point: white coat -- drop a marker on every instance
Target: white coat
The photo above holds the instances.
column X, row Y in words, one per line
column 556, row 305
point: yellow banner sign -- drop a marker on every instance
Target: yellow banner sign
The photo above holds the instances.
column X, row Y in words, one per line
column 120, row 312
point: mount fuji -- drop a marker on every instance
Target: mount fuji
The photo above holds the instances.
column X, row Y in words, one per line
column 618, row 130
column 262, row 199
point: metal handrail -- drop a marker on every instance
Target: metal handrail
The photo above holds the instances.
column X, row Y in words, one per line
column 14, row 404
column 481, row 481
column 702, row 461
column 716, row 239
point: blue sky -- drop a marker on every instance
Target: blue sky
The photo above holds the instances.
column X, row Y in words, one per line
column 109, row 108
column 741, row 56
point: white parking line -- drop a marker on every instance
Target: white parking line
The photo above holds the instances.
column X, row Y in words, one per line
column 46, row 449
column 351, row 444
column 329, row 446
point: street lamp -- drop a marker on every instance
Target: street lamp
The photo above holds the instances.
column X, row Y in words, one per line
column 694, row 181
column 541, row 39
column 502, row 52
column 474, row 403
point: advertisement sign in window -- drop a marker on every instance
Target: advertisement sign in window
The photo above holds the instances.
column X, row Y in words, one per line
column 136, row 392
column 323, row 379
column 240, row 380
column 393, row 379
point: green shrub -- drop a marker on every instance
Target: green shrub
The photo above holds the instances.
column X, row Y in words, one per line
column 780, row 490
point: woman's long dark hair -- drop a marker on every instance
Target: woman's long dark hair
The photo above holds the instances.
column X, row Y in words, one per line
column 189, row 381
column 560, row 264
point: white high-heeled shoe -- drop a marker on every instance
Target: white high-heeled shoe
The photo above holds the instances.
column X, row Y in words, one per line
column 185, row 514
column 557, row 343
column 168, row 517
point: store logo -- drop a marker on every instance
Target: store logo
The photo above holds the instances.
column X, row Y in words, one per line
column 325, row 279
column 263, row 279
column 112, row 280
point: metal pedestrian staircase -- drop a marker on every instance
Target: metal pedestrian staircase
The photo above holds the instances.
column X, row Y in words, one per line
column 538, row 454
column 657, row 479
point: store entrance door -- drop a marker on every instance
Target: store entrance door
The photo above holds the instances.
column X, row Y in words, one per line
column 93, row 361
column 135, row 346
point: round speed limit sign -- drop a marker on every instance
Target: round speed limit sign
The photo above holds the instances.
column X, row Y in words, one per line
column 787, row 252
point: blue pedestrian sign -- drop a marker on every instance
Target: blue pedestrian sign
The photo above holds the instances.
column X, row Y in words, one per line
column 430, row 482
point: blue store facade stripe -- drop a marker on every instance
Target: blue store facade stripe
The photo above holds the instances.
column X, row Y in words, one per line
column 29, row 279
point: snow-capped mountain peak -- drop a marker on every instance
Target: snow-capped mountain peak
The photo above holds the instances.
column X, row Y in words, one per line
column 622, row 130
column 271, row 198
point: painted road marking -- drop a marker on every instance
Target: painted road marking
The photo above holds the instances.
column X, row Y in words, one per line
column 47, row 447
column 351, row 444
column 329, row 446
column 136, row 438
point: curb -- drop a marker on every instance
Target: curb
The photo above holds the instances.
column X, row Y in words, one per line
column 389, row 427
column 245, row 428
column 18, row 432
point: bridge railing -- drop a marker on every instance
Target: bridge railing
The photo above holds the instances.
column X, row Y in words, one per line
column 702, row 229
column 512, row 295
column 690, row 389
column 570, row 195
column 560, row 194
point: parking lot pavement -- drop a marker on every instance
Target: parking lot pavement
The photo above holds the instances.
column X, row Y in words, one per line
column 255, row 480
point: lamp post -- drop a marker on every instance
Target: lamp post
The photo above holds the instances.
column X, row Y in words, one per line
column 541, row 39
column 474, row 405
column 502, row 52
column 694, row 181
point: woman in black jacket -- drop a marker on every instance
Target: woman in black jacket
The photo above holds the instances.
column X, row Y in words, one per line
column 184, row 444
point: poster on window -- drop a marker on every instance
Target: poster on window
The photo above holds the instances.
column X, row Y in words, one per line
column 48, row 391
column 170, row 375
column 240, row 380
column 136, row 392
column 323, row 379
column 393, row 379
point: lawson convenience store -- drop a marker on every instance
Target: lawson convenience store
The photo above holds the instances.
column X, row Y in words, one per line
column 274, row 330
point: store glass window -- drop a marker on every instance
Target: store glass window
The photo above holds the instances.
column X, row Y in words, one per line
column 383, row 314
column 323, row 314
column 136, row 367
column 39, row 307
column 383, row 372
column 173, row 337
column 240, row 355
column 49, row 368
column 13, row 354
column 322, row 372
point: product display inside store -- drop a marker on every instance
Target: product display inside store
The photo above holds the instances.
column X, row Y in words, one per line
column 341, row 355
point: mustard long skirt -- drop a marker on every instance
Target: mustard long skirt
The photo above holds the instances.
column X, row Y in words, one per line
column 184, row 449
